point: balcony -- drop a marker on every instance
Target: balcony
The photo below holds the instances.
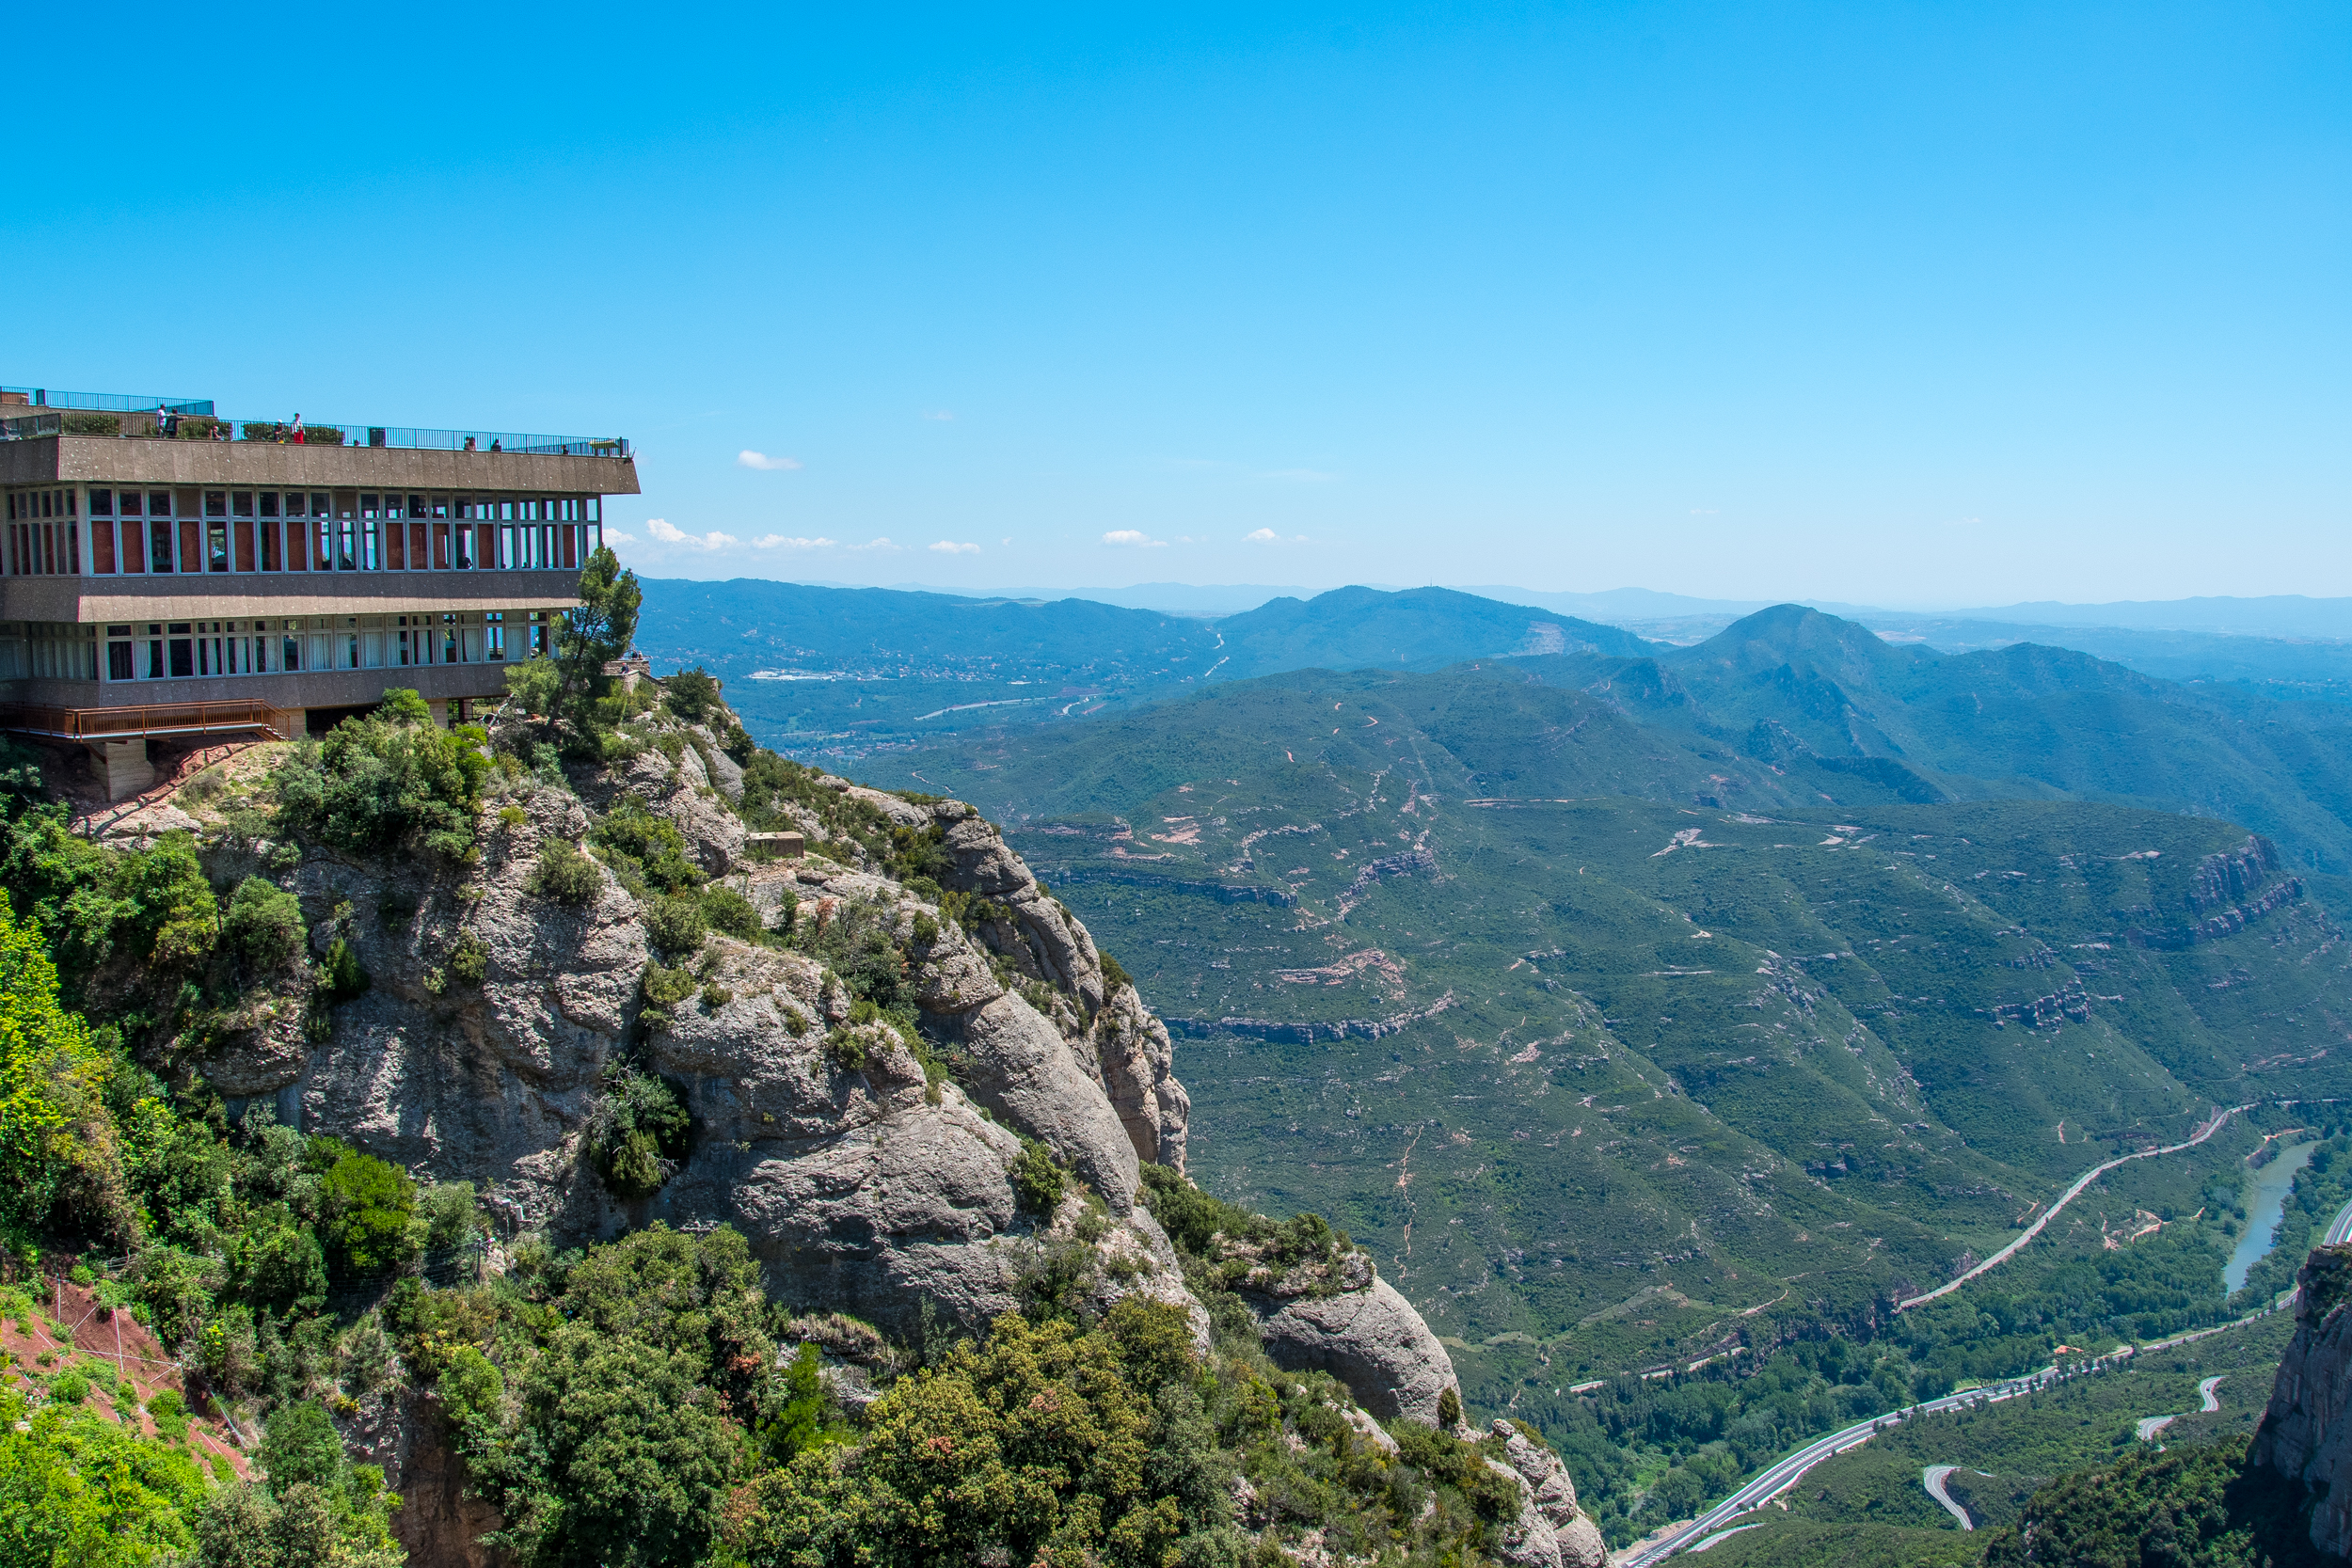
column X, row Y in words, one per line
column 154, row 719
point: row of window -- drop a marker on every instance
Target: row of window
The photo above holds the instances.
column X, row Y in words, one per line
column 179, row 650
column 270, row 530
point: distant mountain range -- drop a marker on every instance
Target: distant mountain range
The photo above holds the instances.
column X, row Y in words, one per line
column 840, row 672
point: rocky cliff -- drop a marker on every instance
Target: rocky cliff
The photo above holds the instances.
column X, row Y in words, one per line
column 877, row 1171
column 2306, row 1433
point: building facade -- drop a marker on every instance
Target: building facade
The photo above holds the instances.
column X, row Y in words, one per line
column 165, row 573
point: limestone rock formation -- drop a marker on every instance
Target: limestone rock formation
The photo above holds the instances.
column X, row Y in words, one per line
column 1370, row 1339
column 871, row 1172
column 1551, row 1530
column 2306, row 1433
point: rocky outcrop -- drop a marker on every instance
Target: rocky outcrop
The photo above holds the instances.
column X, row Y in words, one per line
column 1552, row 1532
column 872, row 1173
column 438, row 1524
column 2306, row 1433
column 1370, row 1339
column 1135, row 1062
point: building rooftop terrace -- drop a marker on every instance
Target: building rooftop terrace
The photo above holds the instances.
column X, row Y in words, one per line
column 30, row 413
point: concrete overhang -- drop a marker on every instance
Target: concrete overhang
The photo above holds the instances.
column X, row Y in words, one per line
column 119, row 460
column 249, row 595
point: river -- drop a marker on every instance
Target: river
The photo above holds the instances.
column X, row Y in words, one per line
column 2262, row 1214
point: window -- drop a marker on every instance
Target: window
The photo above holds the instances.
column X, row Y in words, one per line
column 215, row 547
column 241, row 503
column 290, row 656
column 101, row 503
column 119, row 658
column 182, row 652
column 159, row 544
column 216, row 504
column 269, row 503
column 494, row 636
column 463, row 556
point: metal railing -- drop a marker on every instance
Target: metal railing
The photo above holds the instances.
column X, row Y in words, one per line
column 129, row 723
column 103, row 402
column 313, row 433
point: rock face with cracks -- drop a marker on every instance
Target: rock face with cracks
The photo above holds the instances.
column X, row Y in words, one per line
column 1551, row 1531
column 2306, row 1433
column 868, row 1180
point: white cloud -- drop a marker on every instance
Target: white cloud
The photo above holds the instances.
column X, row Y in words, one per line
column 949, row 546
column 1267, row 536
column 669, row 534
column 1134, row 539
column 760, row 460
column 882, row 543
column 790, row 542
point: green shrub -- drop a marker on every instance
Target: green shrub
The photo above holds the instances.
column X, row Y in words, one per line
column 666, row 988
column 1115, row 977
column 563, row 875
column 263, row 926
column 675, row 926
column 637, row 1132
column 646, row 851
column 69, row 1387
column 300, row 1447
column 450, row 1217
column 169, row 1413
column 93, row 425
column 379, row 781
column 534, row 684
column 341, row 973
column 692, row 694
column 787, row 912
column 472, row 1391
column 1038, row 1178
column 728, row 910
column 364, row 1208
column 468, row 960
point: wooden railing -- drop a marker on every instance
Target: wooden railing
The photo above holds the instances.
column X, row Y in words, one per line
column 155, row 718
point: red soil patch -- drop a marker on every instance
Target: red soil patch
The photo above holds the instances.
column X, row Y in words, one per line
column 117, row 1339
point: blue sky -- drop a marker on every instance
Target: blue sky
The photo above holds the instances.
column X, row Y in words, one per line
column 1911, row 305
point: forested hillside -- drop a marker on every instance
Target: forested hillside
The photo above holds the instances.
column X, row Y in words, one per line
column 1663, row 1014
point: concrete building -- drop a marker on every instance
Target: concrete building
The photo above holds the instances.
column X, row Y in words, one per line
column 167, row 574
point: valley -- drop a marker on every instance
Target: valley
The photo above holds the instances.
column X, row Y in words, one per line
column 1642, row 1029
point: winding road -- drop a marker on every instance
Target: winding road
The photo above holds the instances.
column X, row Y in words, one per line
column 1932, row 1478
column 1792, row 1469
column 2219, row 1117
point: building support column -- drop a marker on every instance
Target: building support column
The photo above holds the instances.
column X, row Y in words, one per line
column 123, row 766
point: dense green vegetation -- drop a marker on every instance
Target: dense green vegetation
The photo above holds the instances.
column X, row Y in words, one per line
column 2202, row 1507
column 1869, row 1505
